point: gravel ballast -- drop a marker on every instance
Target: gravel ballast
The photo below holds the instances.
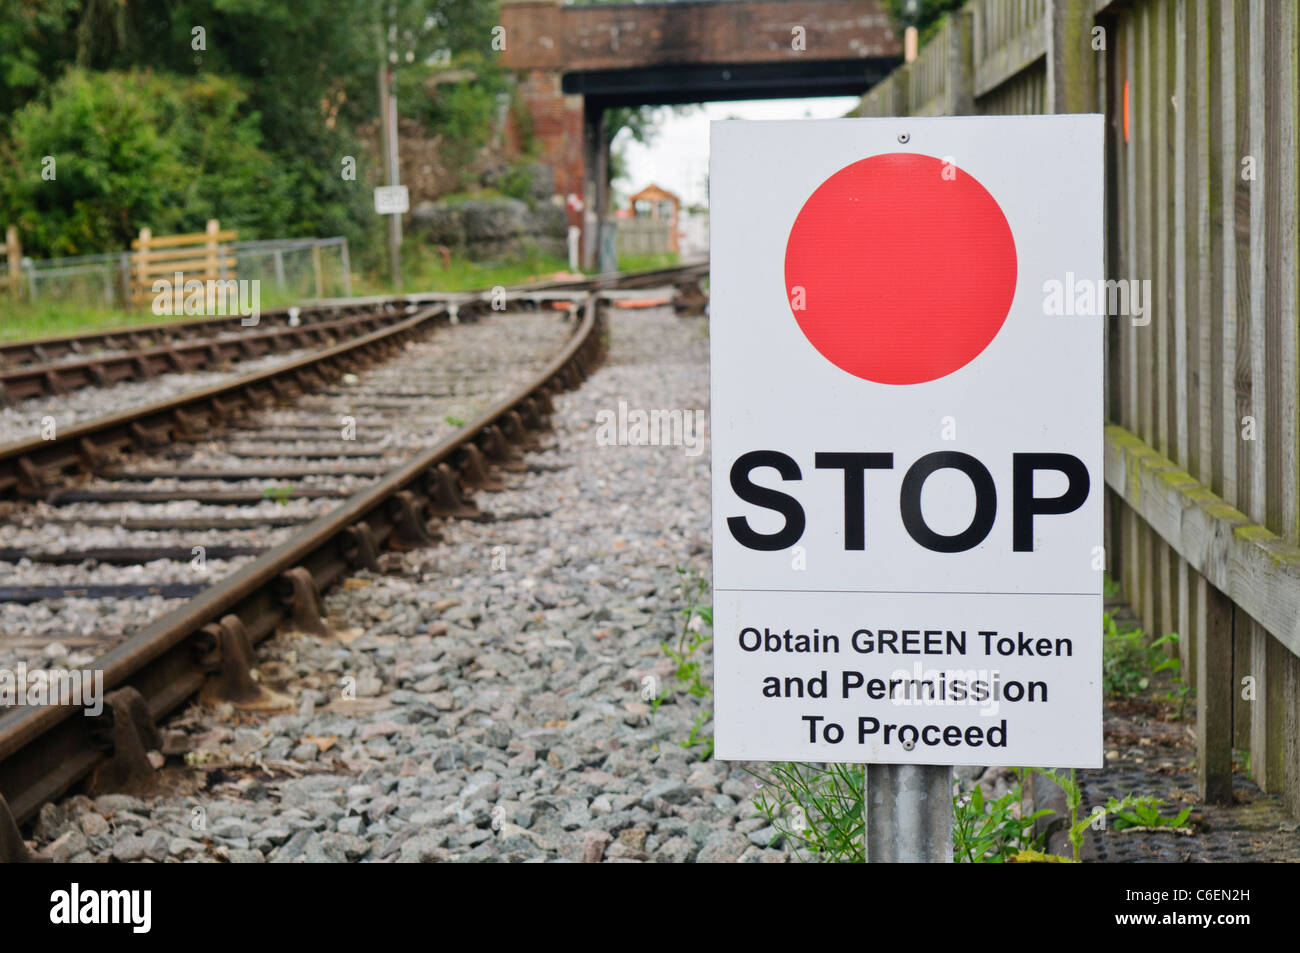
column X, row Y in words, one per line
column 491, row 699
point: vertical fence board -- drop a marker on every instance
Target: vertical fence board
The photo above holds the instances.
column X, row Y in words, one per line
column 1180, row 103
column 1241, row 668
column 1216, row 113
column 1262, row 736
column 1241, row 231
column 1259, row 82
column 1214, row 700
column 1285, row 363
column 1268, row 659
column 1143, row 135
column 1161, row 221
column 1169, row 328
column 1288, row 272
column 1291, row 735
column 1131, row 269
column 1199, row 264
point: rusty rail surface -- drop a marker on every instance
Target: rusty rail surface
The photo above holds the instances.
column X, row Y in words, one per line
column 208, row 642
column 60, row 379
column 130, row 337
column 28, row 468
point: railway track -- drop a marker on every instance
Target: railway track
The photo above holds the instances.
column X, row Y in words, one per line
column 57, row 366
column 177, row 354
column 49, row 350
column 272, row 486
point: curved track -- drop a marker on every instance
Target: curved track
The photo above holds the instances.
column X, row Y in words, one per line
column 206, row 642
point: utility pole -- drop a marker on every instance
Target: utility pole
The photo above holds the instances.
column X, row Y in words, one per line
column 388, row 124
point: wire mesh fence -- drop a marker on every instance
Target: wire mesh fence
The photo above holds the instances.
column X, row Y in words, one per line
column 288, row 269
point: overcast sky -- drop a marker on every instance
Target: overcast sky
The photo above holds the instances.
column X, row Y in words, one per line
column 678, row 159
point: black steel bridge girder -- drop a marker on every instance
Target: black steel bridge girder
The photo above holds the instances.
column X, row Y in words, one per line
column 693, row 83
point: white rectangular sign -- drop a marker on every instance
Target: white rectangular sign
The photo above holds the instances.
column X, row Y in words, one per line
column 906, row 419
column 392, row 200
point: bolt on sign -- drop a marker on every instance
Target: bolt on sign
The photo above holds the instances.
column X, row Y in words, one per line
column 907, row 445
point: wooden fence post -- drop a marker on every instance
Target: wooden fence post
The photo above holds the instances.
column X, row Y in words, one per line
column 1291, row 735
column 347, row 269
column 960, row 72
column 142, row 262
column 14, row 252
column 1214, row 700
column 124, row 280
column 315, row 266
column 1071, row 61
column 214, row 267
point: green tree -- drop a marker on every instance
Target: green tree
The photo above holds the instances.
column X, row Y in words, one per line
column 301, row 76
column 33, row 39
column 926, row 15
column 108, row 153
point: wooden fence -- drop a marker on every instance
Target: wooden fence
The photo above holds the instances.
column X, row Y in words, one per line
column 644, row 236
column 1203, row 501
column 200, row 256
column 13, row 254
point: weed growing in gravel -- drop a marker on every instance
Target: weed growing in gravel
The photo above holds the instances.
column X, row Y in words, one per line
column 699, row 737
column 818, row 808
column 696, row 616
column 1129, row 661
column 1145, row 815
column 280, row 494
column 1073, row 798
column 688, row 656
column 992, row 832
column 454, row 421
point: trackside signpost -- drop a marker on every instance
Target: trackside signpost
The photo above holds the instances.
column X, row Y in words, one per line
column 907, row 451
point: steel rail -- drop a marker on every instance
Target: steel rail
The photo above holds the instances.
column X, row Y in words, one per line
column 25, row 466
column 45, row 751
column 126, row 337
column 59, row 379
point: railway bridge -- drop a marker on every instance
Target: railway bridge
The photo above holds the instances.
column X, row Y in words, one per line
column 579, row 60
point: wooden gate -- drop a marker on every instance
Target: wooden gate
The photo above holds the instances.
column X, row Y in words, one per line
column 198, row 256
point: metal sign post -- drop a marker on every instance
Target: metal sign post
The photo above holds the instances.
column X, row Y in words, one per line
column 909, row 813
column 388, row 125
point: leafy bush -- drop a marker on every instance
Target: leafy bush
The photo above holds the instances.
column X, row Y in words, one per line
column 517, row 182
column 462, row 113
column 131, row 150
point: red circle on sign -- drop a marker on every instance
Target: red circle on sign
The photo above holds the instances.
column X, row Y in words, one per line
column 904, row 266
